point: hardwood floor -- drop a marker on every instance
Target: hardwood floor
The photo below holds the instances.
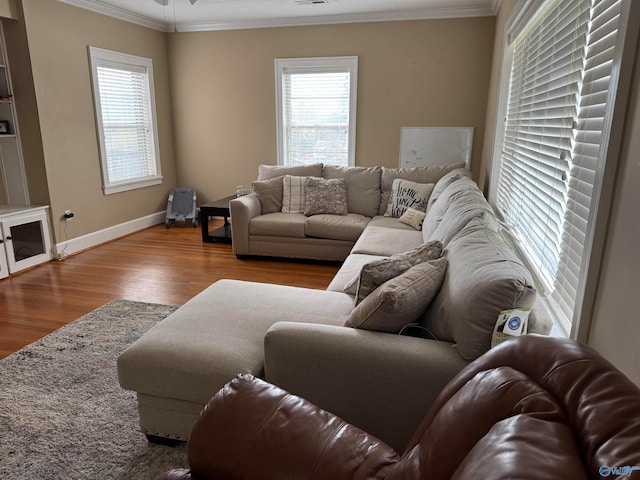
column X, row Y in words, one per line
column 156, row 265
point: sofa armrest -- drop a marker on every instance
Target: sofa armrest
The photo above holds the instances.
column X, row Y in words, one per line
column 382, row 383
column 242, row 210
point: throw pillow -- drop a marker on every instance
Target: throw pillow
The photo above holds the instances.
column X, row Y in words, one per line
column 293, row 194
column 325, row 196
column 405, row 194
column 401, row 300
column 269, row 193
column 413, row 217
column 374, row 274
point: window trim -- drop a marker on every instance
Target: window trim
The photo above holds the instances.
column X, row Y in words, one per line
column 102, row 57
column 602, row 197
column 309, row 65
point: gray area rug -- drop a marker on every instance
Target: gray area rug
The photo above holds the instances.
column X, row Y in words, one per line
column 62, row 412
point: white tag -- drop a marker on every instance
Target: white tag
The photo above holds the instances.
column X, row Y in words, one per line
column 510, row 323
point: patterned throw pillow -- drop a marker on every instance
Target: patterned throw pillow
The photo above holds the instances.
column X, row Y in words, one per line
column 270, row 194
column 325, row 196
column 401, row 300
column 293, row 194
column 374, row 274
column 405, row 194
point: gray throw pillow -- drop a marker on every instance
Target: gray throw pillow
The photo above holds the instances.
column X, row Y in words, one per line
column 374, row 274
column 269, row 193
column 405, row 194
column 401, row 300
column 325, row 196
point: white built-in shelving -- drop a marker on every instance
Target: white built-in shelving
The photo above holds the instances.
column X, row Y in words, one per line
column 12, row 171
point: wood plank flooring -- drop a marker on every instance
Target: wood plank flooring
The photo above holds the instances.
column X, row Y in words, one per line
column 156, row 265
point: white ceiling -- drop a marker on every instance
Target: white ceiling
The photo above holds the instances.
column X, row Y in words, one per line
column 180, row 15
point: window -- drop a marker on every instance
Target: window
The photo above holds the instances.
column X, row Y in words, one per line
column 316, row 110
column 126, row 119
column 553, row 145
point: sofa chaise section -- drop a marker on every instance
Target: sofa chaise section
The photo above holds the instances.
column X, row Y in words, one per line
column 179, row 363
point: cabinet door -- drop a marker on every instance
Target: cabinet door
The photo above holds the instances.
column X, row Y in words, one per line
column 4, row 268
column 26, row 240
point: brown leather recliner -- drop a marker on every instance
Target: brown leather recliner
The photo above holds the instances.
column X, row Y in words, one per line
column 534, row 407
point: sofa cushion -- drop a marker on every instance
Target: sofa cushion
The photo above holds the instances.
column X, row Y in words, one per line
column 266, row 172
column 278, row 225
column 445, row 181
column 363, row 187
column 269, row 193
column 456, row 206
column 385, row 241
column 401, row 300
column 293, row 194
column 325, row 196
column 217, row 334
column 375, row 273
column 429, row 174
column 349, row 270
column 405, row 194
column 389, row 222
column 413, row 218
column 336, row 227
column 484, row 277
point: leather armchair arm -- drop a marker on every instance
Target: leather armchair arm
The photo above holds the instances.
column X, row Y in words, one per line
column 382, row 383
column 254, row 430
column 242, row 210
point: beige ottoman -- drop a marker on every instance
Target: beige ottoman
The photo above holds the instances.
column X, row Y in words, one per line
column 179, row 364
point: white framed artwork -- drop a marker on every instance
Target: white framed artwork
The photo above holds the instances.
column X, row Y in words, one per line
column 424, row 146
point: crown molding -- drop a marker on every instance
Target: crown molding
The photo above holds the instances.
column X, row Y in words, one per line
column 119, row 13
column 424, row 14
column 419, row 14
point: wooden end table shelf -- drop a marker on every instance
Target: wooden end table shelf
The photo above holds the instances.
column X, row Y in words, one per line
column 219, row 208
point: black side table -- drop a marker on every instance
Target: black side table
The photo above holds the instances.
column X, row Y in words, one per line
column 219, row 208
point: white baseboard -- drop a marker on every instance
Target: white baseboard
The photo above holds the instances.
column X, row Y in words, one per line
column 89, row 240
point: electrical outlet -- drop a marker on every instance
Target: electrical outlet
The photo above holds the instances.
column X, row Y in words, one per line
column 68, row 215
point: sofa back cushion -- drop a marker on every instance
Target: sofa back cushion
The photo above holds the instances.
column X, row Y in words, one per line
column 445, row 181
column 265, row 172
column 363, row 187
column 484, row 277
column 429, row 174
column 455, row 207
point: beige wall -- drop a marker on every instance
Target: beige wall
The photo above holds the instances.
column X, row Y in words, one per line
column 417, row 73
column 58, row 36
column 615, row 327
column 484, row 174
column 9, row 9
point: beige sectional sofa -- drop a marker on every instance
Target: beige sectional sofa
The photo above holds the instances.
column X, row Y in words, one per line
column 297, row 338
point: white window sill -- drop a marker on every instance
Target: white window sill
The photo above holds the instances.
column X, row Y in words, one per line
column 132, row 185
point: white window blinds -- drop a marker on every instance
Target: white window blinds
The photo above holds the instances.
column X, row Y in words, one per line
column 589, row 148
column 316, row 116
column 553, row 137
column 126, row 119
